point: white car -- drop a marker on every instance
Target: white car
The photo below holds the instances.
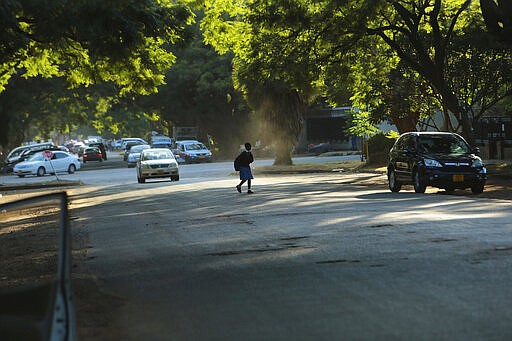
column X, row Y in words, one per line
column 38, row 164
column 157, row 163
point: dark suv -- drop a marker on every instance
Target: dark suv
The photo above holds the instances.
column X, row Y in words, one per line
column 443, row 160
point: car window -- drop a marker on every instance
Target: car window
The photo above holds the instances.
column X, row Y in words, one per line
column 36, row 157
column 157, row 155
column 195, row 146
column 60, row 155
column 139, row 148
column 446, row 144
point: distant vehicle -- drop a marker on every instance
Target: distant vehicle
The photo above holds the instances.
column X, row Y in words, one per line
column 193, row 151
column 116, row 144
column 93, row 139
column 92, row 154
column 26, row 153
column 159, row 139
column 76, row 147
column 162, row 144
column 14, row 154
column 134, row 154
column 38, row 165
column 443, row 160
column 101, row 147
column 129, row 146
column 126, row 140
column 157, row 163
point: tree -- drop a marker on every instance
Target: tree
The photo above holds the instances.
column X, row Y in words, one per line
column 122, row 43
column 200, row 92
column 498, row 18
column 272, row 87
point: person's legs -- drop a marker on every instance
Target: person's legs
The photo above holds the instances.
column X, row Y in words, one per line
column 249, row 184
column 239, row 186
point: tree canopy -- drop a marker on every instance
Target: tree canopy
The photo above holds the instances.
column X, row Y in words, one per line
column 123, row 43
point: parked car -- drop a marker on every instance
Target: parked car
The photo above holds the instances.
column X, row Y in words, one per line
column 92, row 154
column 161, row 144
column 129, row 146
column 134, row 154
column 443, row 160
column 101, row 147
column 126, row 140
column 76, row 147
column 193, row 151
column 37, row 164
column 157, row 163
column 21, row 153
column 158, row 139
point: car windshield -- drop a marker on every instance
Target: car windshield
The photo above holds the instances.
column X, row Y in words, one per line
column 138, row 148
column 157, row 155
column 443, row 144
column 195, row 146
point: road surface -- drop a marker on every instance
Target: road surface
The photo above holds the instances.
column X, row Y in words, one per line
column 308, row 257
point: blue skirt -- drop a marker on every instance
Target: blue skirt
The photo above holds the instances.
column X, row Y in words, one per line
column 245, row 173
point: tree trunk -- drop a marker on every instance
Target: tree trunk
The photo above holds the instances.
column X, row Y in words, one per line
column 283, row 155
column 282, row 111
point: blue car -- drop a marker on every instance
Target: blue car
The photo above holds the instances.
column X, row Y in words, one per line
column 192, row 151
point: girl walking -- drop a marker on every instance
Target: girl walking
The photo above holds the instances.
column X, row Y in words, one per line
column 245, row 159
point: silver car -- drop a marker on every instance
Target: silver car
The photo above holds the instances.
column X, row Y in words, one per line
column 134, row 154
column 157, row 163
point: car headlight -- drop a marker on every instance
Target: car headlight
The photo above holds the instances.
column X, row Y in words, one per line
column 477, row 163
column 432, row 163
column 144, row 166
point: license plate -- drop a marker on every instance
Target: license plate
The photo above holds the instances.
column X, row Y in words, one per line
column 458, row 178
column 161, row 171
column 201, row 157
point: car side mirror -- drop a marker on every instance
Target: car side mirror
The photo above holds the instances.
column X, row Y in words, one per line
column 476, row 151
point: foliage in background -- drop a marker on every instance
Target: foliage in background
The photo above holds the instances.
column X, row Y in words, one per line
column 83, row 43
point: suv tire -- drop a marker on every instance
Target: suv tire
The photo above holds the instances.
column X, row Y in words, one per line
column 394, row 185
column 418, row 182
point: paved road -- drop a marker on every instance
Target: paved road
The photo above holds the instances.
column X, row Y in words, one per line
column 309, row 257
column 114, row 171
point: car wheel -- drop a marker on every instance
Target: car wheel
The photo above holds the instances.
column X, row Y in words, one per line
column 85, row 161
column 41, row 171
column 418, row 182
column 141, row 180
column 101, row 160
column 394, row 185
column 71, row 169
column 449, row 189
column 175, row 178
column 478, row 188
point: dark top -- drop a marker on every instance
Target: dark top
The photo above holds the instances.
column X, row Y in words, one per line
column 246, row 158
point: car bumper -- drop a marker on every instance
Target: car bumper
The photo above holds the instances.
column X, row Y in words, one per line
column 455, row 179
column 24, row 171
column 198, row 159
column 159, row 173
